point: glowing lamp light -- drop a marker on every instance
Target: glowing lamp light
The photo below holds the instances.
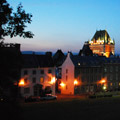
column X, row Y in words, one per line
column 75, row 82
column 102, row 81
column 62, row 84
column 52, row 80
column 104, row 87
column 21, row 83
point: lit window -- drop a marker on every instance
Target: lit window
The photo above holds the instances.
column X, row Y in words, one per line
column 49, row 79
column 105, row 69
column 41, row 79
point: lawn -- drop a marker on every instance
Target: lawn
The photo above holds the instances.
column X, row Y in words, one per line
column 85, row 109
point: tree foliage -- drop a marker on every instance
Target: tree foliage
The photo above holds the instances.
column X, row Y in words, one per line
column 14, row 23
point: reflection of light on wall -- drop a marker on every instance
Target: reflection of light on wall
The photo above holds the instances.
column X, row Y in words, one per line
column 107, row 54
column 102, row 81
column 52, row 80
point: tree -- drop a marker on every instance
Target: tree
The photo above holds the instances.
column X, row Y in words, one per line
column 13, row 23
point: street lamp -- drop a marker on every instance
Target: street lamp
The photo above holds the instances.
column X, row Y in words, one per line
column 62, row 84
column 75, row 82
column 21, row 83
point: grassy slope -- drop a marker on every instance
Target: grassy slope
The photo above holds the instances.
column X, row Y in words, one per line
column 95, row 109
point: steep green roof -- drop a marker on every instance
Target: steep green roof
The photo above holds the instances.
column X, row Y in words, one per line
column 102, row 35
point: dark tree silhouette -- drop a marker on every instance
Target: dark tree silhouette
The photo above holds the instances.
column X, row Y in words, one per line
column 13, row 23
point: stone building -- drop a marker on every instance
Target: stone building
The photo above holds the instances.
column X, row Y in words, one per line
column 37, row 74
column 88, row 74
column 102, row 44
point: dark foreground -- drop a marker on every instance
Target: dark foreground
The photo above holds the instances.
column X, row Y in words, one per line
column 89, row 109
column 66, row 109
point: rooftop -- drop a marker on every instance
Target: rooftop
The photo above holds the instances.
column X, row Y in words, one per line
column 92, row 61
column 102, row 35
column 35, row 61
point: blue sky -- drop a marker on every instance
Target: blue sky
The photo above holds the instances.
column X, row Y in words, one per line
column 67, row 24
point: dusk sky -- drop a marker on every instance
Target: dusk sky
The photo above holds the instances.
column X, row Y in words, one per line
column 67, row 24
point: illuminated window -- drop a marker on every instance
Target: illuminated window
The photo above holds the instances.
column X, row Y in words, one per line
column 49, row 79
column 41, row 79
column 105, row 69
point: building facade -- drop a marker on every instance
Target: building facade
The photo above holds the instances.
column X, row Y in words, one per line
column 37, row 75
column 89, row 74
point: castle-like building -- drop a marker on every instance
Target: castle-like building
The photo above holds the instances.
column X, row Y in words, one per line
column 102, row 44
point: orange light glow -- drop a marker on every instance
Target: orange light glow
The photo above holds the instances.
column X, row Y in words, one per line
column 75, row 82
column 62, row 84
column 21, row 83
column 107, row 54
column 52, row 80
column 102, row 81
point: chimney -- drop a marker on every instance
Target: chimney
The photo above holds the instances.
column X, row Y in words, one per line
column 48, row 54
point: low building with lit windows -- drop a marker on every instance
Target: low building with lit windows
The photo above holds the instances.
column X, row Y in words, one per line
column 37, row 74
column 89, row 74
